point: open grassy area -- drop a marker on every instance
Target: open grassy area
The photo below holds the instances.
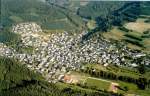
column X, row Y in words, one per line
column 97, row 84
column 138, row 26
column 115, row 34
column 91, row 24
column 137, row 37
column 88, row 82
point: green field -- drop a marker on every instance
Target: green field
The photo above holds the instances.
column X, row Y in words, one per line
column 97, row 84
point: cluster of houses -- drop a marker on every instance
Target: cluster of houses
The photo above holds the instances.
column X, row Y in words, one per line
column 64, row 52
column 6, row 51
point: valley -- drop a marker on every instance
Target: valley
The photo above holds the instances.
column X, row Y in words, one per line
column 74, row 48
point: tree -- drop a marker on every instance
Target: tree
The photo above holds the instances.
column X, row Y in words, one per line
column 126, row 88
column 141, row 68
column 142, row 83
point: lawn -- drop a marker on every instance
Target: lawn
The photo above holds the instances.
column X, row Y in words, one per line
column 97, row 84
column 91, row 82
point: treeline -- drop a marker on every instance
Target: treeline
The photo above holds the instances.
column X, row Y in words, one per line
column 141, row 82
column 133, row 37
column 135, row 42
column 124, row 29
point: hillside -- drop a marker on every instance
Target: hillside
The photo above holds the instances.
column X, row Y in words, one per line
column 50, row 17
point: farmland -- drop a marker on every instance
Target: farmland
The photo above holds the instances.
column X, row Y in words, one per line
column 136, row 36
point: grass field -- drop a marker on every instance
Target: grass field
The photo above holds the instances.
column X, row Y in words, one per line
column 115, row 34
column 97, row 84
column 91, row 24
column 90, row 82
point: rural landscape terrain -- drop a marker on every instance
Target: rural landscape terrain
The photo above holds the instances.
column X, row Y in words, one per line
column 74, row 48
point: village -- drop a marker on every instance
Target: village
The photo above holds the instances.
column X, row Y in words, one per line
column 58, row 53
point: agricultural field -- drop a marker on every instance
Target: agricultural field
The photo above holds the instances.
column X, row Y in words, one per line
column 135, row 34
column 139, row 26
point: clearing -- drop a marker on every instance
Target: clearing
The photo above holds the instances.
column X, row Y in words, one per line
column 139, row 25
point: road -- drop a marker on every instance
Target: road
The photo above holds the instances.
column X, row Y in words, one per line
column 100, row 79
